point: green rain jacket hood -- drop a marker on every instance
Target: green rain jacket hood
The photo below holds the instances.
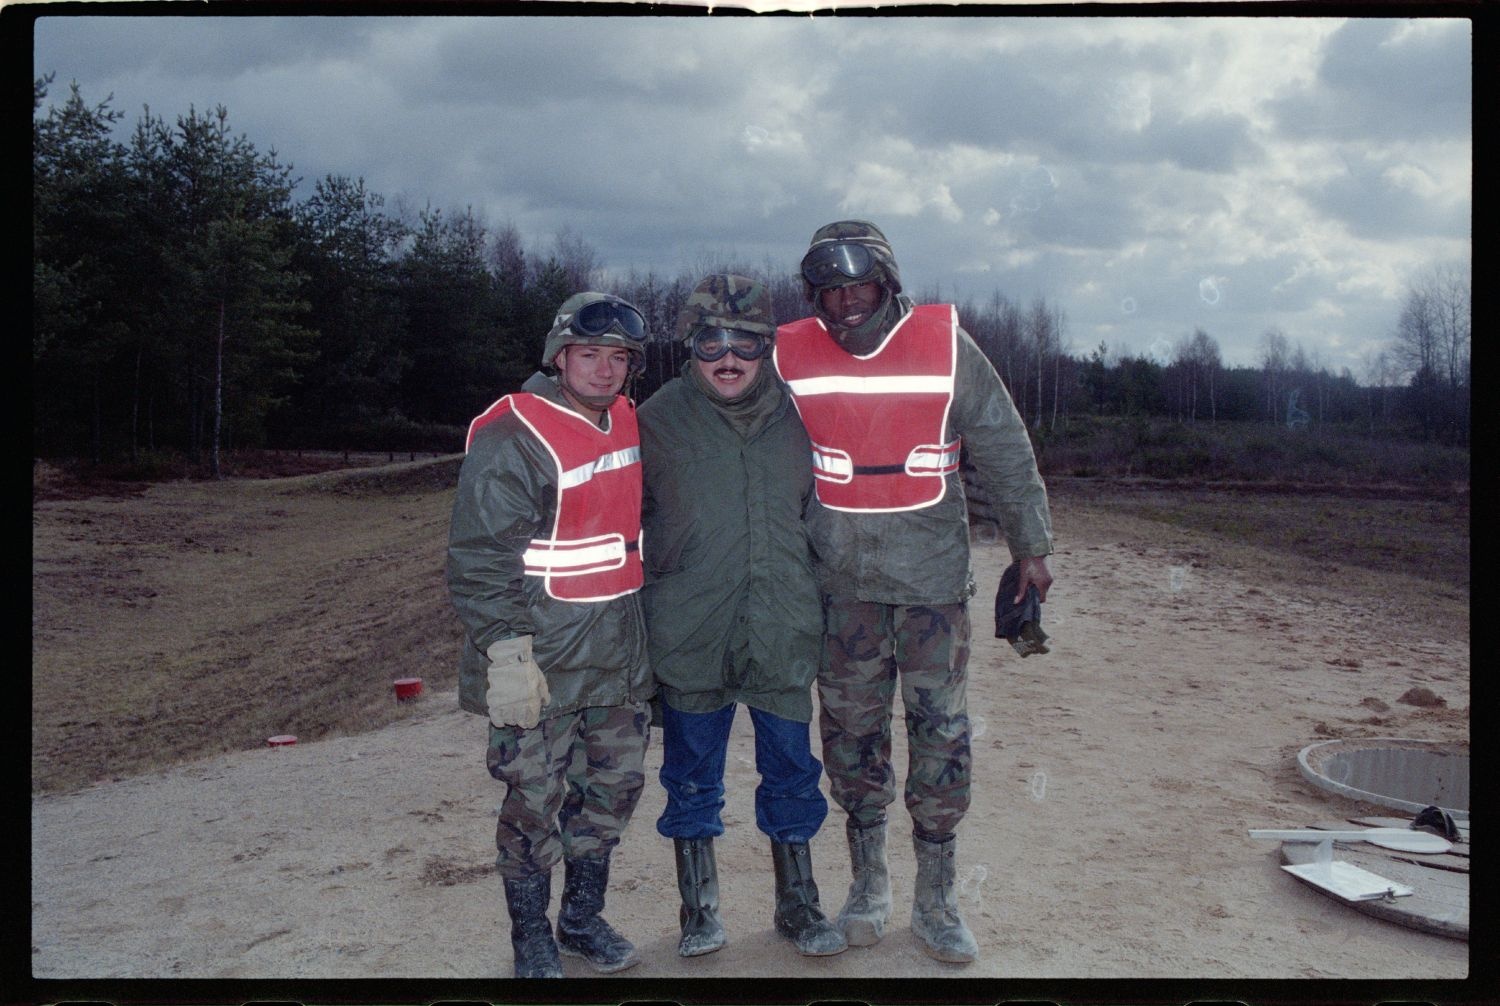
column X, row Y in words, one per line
column 593, row 653
column 731, row 598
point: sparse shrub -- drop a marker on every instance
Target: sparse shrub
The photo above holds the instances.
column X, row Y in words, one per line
column 1106, row 446
column 1187, row 462
column 149, row 466
column 392, row 434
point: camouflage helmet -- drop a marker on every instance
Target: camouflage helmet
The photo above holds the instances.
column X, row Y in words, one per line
column 725, row 300
column 853, row 232
column 566, row 333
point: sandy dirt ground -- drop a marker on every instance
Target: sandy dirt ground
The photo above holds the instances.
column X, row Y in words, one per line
column 1115, row 780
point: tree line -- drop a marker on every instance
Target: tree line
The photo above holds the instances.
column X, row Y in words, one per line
column 183, row 299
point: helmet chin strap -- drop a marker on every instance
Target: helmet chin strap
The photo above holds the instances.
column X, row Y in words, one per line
column 600, row 402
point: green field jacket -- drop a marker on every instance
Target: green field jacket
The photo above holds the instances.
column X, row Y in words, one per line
column 922, row 556
column 731, row 599
column 593, row 653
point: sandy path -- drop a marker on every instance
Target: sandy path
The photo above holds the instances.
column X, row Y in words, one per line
column 1115, row 781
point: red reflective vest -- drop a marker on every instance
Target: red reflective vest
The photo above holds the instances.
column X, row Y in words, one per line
column 877, row 421
column 593, row 552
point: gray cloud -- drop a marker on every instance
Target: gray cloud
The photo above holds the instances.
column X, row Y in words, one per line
column 1304, row 166
column 189, row 47
column 1384, row 79
column 1373, row 205
column 1213, row 143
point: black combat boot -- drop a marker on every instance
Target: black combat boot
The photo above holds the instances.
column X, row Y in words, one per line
column 527, row 899
column 798, row 915
column 580, row 930
column 698, row 882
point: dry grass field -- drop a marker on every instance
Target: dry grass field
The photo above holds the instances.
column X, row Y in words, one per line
column 180, row 619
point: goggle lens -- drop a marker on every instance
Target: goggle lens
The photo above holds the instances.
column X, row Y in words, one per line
column 596, row 319
column 835, row 263
column 711, row 344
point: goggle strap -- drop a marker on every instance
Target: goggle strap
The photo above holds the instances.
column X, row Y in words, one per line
column 736, row 324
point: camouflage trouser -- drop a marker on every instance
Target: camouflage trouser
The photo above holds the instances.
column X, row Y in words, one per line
column 865, row 647
column 572, row 782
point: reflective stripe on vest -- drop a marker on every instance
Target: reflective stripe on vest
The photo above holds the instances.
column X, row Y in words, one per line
column 573, row 558
column 593, row 551
column 877, row 421
column 609, row 462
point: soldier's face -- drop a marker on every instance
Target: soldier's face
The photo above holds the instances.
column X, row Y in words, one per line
column 848, row 307
column 592, row 375
column 729, row 376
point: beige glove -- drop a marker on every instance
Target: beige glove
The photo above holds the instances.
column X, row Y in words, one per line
column 518, row 689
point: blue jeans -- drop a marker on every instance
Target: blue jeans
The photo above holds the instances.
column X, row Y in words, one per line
column 788, row 805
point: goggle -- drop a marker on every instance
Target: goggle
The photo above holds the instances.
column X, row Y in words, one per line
column 602, row 316
column 710, row 344
column 837, row 263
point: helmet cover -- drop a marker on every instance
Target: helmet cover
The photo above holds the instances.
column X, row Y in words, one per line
column 860, row 232
column 725, row 300
column 563, row 333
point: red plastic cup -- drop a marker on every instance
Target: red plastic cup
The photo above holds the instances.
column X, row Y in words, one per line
column 408, row 688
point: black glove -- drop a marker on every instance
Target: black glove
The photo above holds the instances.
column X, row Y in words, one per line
column 1436, row 821
column 1020, row 624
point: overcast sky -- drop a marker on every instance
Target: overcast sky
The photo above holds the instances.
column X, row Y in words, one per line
column 1148, row 176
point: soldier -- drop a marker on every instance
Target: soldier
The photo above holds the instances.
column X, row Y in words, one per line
column 732, row 606
column 889, row 392
column 544, row 569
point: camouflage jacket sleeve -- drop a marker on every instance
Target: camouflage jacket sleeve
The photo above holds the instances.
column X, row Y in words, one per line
column 503, row 500
column 995, row 440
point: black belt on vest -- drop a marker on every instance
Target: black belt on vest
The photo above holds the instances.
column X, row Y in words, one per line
column 879, row 469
